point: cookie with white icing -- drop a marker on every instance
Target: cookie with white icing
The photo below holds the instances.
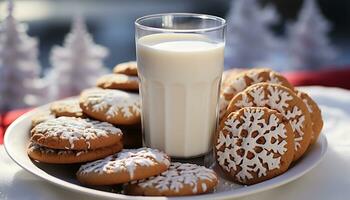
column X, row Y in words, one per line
column 125, row 166
column 75, row 134
column 127, row 68
column 246, row 78
column 285, row 101
column 113, row 106
column 179, row 180
column 60, row 156
column 254, row 144
column 315, row 113
column 41, row 117
column 67, row 108
column 118, row 81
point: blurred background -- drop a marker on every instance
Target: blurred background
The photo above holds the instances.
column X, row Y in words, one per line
column 111, row 21
column 54, row 49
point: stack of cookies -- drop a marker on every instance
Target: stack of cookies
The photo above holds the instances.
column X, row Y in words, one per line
column 102, row 129
column 118, row 95
column 66, row 140
column 266, row 124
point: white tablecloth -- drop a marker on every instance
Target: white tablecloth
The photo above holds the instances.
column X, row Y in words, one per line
column 330, row 180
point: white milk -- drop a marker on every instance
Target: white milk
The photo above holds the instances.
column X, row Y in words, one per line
column 180, row 76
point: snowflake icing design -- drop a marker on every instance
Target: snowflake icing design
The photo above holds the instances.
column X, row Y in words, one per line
column 116, row 103
column 179, row 174
column 239, row 83
column 276, row 99
column 253, row 123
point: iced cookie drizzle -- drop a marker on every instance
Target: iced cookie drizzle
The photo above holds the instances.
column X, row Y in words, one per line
column 239, row 83
column 126, row 160
column 237, row 147
column 277, row 99
column 115, row 102
column 179, row 175
column 72, row 129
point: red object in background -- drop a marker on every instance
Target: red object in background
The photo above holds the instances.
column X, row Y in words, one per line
column 1, row 135
column 330, row 78
column 11, row 116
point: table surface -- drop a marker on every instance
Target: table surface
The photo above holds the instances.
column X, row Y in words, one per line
column 329, row 180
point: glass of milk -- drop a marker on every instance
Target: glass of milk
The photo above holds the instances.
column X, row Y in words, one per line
column 180, row 58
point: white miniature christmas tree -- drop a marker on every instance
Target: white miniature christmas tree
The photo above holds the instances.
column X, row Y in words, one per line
column 19, row 65
column 309, row 46
column 77, row 64
column 249, row 39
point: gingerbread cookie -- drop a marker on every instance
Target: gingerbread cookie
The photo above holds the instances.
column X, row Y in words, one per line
column 283, row 100
column 59, row 156
column 246, row 78
column 125, row 166
column 113, row 106
column 67, row 107
column 315, row 113
column 75, row 134
column 127, row 68
column 254, row 144
column 118, row 81
column 41, row 117
column 179, row 180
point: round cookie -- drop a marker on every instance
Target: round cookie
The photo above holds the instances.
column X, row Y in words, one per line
column 125, row 166
column 254, row 144
column 179, row 180
column 56, row 156
column 315, row 113
column 75, row 134
column 113, row 106
column 283, row 100
column 127, row 68
column 67, row 107
column 246, row 78
column 118, row 81
column 41, row 117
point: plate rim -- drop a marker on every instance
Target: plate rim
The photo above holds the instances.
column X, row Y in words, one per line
column 282, row 179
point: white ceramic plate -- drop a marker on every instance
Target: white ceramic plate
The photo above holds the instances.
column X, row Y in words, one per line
column 17, row 136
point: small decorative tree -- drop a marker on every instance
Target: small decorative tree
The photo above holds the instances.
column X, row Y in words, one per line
column 77, row 64
column 309, row 46
column 19, row 65
column 249, row 39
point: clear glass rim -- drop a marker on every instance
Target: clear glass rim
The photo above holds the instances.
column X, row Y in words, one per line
column 222, row 21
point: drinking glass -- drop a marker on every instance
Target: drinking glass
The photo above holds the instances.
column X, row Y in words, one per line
column 180, row 59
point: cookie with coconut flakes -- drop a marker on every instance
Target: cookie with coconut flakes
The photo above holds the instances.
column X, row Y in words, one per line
column 254, row 144
column 67, row 108
column 75, row 134
column 125, row 166
column 118, row 81
column 315, row 113
column 60, row 156
column 113, row 106
column 283, row 100
column 127, row 68
column 246, row 78
column 179, row 180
